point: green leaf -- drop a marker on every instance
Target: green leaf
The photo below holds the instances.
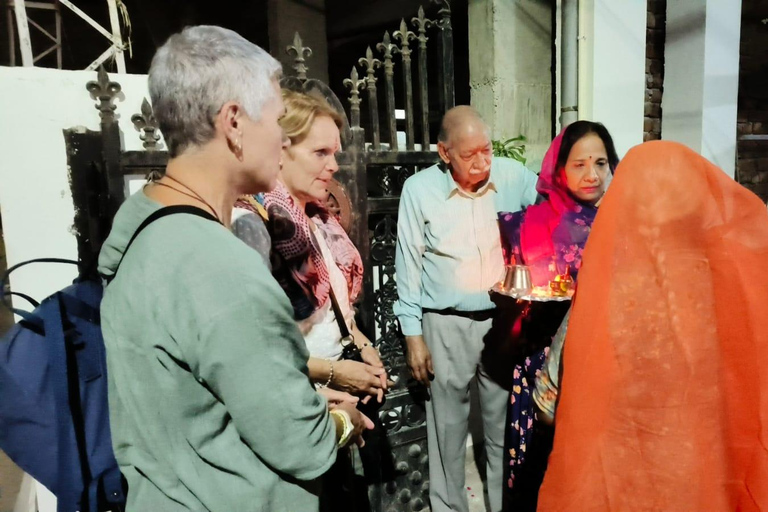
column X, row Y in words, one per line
column 510, row 148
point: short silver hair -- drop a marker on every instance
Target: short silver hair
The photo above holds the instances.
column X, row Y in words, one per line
column 198, row 70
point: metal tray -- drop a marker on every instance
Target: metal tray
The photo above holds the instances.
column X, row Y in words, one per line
column 497, row 288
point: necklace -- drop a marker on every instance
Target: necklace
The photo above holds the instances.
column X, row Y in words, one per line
column 193, row 195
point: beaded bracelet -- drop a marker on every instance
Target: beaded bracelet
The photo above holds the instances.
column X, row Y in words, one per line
column 330, row 375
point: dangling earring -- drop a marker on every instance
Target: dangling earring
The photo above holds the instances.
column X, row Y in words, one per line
column 237, row 148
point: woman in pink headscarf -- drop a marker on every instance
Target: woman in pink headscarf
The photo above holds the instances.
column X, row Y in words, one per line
column 549, row 238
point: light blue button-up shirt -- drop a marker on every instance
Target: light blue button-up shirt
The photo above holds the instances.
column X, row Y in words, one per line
column 448, row 243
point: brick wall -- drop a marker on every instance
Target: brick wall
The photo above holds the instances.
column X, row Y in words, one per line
column 654, row 67
column 752, row 155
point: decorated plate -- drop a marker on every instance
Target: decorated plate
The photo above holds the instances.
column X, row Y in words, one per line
column 538, row 294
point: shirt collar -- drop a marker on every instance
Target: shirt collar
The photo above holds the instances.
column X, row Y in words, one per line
column 452, row 188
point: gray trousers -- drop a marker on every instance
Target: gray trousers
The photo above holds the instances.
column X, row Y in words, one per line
column 456, row 344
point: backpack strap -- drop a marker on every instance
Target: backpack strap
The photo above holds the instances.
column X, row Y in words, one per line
column 23, row 296
column 156, row 215
column 66, row 480
column 4, row 284
column 34, row 319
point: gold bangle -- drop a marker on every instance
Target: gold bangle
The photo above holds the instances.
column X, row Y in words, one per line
column 347, row 427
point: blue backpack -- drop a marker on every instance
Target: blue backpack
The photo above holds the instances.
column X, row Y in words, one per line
column 54, row 415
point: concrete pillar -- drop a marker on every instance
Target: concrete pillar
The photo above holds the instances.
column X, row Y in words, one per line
column 568, row 61
column 701, row 77
column 510, row 75
column 307, row 17
column 612, row 67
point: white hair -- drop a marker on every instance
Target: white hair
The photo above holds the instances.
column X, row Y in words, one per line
column 198, row 70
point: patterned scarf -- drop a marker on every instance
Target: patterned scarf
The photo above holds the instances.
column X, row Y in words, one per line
column 301, row 269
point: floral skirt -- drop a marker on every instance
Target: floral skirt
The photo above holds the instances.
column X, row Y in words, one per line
column 523, row 475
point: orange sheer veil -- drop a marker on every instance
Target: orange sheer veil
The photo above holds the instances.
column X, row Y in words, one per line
column 664, row 402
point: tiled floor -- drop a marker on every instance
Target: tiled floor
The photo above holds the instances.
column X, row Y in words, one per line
column 475, row 486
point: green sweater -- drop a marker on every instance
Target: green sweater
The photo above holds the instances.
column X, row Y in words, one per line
column 210, row 404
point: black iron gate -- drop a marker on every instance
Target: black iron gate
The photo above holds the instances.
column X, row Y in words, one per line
column 375, row 162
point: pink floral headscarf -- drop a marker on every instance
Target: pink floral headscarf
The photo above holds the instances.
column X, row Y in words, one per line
column 549, row 236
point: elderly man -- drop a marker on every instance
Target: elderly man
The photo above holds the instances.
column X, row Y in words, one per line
column 448, row 256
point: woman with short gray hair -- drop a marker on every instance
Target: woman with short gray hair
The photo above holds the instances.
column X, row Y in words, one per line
column 197, row 72
column 210, row 404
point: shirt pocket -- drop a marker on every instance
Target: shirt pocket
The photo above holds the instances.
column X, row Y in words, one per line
column 449, row 228
column 489, row 235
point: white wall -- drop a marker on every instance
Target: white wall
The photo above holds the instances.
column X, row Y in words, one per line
column 612, row 67
column 701, row 78
column 37, row 104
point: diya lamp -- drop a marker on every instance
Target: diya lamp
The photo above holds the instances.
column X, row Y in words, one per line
column 562, row 284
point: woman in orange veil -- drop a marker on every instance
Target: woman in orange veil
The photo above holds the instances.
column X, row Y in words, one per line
column 664, row 403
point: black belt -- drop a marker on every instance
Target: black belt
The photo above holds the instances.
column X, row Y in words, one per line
column 477, row 316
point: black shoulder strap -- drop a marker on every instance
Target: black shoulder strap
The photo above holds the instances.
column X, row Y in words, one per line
column 339, row 316
column 343, row 329
column 159, row 214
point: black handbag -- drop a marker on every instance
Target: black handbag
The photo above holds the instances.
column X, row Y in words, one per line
column 349, row 350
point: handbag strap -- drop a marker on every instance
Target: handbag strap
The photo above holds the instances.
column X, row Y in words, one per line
column 343, row 328
column 340, row 317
